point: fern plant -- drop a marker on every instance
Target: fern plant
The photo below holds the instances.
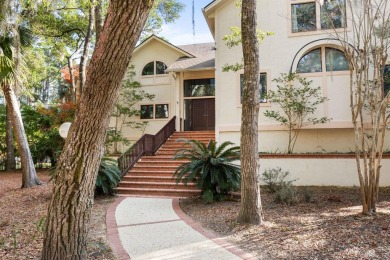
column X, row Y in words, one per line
column 108, row 177
column 210, row 167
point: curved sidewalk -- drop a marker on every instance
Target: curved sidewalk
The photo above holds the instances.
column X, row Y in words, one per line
column 156, row 228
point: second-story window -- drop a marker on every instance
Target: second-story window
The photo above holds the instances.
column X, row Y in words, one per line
column 154, row 68
column 309, row 16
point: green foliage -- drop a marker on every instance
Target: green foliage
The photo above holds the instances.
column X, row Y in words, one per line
column 210, row 167
column 126, row 109
column 298, row 101
column 277, row 182
column 307, row 195
column 163, row 11
column 109, row 175
column 41, row 125
column 234, row 39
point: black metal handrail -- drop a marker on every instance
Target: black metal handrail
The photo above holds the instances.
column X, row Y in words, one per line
column 146, row 145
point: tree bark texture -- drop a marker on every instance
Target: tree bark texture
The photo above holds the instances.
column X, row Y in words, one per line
column 70, row 206
column 9, row 136
column 250, row 207
column 29, row 175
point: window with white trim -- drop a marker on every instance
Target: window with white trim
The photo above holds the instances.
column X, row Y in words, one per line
column 310, row 15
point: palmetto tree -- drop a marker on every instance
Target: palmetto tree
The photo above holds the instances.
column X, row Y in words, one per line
column 211, row 167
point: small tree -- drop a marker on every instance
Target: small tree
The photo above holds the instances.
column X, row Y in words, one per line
column 298, row 102
column 125, row 109
column 367, row 53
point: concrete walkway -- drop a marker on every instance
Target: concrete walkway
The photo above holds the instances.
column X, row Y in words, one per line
column 155, row 228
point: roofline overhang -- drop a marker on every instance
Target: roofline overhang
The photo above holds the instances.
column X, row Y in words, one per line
column 155, row 37
column 184, row 70
column 208, row 10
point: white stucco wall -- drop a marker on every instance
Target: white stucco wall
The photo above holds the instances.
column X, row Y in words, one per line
column 277, row 54
column 323, row 172
column 161, row 86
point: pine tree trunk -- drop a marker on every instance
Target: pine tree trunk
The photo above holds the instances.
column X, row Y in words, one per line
column 9, row 136
column 70, row 206
column 250, row 207
column 29, row 175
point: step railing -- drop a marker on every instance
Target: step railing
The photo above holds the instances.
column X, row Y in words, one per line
column 146, row 145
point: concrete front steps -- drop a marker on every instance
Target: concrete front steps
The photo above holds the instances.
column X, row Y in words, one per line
column 153, row 175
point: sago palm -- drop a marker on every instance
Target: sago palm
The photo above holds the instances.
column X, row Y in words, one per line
column 210, row 167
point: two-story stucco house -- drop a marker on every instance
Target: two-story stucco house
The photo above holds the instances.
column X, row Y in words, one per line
column 188, row 81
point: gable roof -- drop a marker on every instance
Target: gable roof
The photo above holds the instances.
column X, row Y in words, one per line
column 203, row 58
column 170, row 45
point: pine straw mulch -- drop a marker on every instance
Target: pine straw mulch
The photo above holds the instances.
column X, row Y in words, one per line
column 329, row 227
column 22, row 214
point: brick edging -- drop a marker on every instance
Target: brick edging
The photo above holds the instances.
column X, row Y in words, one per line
column 113, row 233
column 209, row 234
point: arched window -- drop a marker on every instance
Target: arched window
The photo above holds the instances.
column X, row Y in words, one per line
column 312, row 61
column 160, row 68
column 154, row 68
column 148, row 69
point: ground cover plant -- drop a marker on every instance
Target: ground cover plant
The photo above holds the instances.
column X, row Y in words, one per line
column 331, row 226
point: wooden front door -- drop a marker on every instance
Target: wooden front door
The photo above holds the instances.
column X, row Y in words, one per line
column 203, row 114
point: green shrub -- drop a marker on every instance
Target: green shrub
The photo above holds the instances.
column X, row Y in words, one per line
column 286, row 194
column 210, row 167
column 108, row 177
column 277, row 182
column 307, row 195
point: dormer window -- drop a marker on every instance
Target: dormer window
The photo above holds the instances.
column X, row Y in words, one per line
column 154, row 68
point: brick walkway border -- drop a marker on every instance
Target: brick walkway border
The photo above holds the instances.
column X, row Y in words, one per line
column 113, row 233
column 119, row 251
column 210, row 235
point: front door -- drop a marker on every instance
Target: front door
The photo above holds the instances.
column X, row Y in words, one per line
column 203, row 114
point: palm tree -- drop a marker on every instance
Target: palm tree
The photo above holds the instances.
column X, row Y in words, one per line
column 11, row 40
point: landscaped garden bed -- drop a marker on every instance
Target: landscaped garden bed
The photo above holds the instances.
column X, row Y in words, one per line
column 330, row 226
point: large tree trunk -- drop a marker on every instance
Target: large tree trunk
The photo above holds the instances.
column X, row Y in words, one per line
column 29, row 175
column 11, row 163
column 70, row 206
column 250, row 207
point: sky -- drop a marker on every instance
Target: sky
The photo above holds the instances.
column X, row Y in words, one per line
column 180, row 32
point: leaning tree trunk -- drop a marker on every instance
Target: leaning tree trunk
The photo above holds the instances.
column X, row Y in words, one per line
column 9, row 136
column 29, row 175
column 250, row 207
column 70, row 206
